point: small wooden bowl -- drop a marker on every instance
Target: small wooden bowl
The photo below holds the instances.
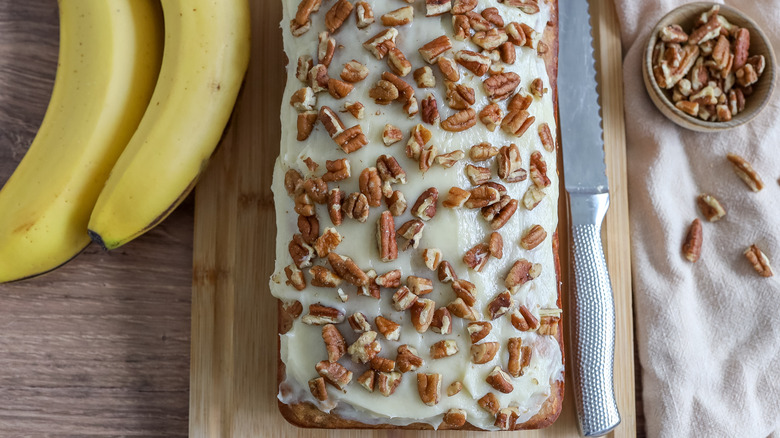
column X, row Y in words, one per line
column 759, row 45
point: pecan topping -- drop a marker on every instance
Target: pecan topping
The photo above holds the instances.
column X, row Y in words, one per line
column 381, row 42
column 351, row 140
column 449, row 159
column 304, row 100
column 509, row 164
column 522, row 272
column 305, row 63
column 546, row 136
column 477, row 257
column 317, row 388
column 533, row 237
column 429, row 387
column 530, row 7
column 454, row 418
column 466, row 291
column 422, row 314
column 456, row 197
column 316, row 189
column 390, row 172
column 479, row 330
column 337, row 170
column 478, row 22
column 432, row 258
column 305, row 124
column 335, row 199
column 309, row 227
column 371, row 186
column 517, row 122
column 337, row 14
column 365, row 348
column 493, row 17
column 538, row 170
column 519, row 357
column 710, row 207
column 407, row 359
column 298, row 30
column 295, row 277
column 454, row 388
column 459, row 96
column 490, row 39
column 386, row 383
column 483, row 151
column 420, row 136
column 403, row 299
column 523, row 320
column 430, row 110
column 483, row 196
column 334, row 342
column 537, row 88
column 347, row 269
column 331, row 121
column 425, row 206
column 334, row 373
column 398, row 17
column 461, row 27
column 444, row 348
column 533, row 196
column 437, row 7
column 446, row 273
column 460, row 121
column 508, row 53
column 320, row 315
column 305, row 9
column 390, row 279
column 391, row 134
column 354, row 71
column 759, row 261
column 398, row 62
column 489, row 402
column 745, row 172
column 389, row 329
column 323, row 277
column 673, row 34
column 301, row 253
column 359, row 323
column 367, row 380
column 355, row 206
column 515, row 34
column 412, row 232
column 463, row 6
column 304, row 204
column 500, row 380
column 385, row 236
column 427, row 157
column 520, row 102
column 364, row 15
column 424, row 77
column 478, row 175
column 500, row 305
column 484, row 353
column 692, row 246
column 419, row 285
column 491, row 116
column 506, row 418
column 442, row 321
column 448, row 68
column 474, row 62
column 382, row 364
column 496, row 245
column 396, row 203
column 461, row 310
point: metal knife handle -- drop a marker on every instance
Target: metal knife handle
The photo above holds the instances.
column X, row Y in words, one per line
column 593, row 318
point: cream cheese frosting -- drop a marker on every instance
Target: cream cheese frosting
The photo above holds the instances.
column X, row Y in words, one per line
column 453, row 231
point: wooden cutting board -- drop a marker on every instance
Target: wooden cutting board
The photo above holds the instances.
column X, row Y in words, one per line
column 233, row 353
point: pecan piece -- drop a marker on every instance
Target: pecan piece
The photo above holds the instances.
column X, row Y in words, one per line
column 449, row 159
column 390, row 279
column 432, row 50
column 429, row 387
column 454, row 388
column 359, row 323
column 515, row 34
column 301, row 253
column 430, row 110
column 305, row 124
column 380, row 43
column 483, row 196
column 484, row 352
column 371, row 186
column 437, row 7
column 403, row 299
column 337, row 14
column 673, row 34
column 412, row 232
column 354, row 71
column 477, row 257
column 491, row 116
column 710, row 207
column 382, row 364
column 456, row 197
column 509, row 164
column 351, row 139
column 499, row 305
column 478, row 175
column 305, row 63
column 446, row 273
column 422, row 314
column 293, row 182
column 459, row 96
column 442, row 321
column 517, row 122
column 479, row 330
column 508, row 53
column 533, row 237
column 538, row 170
column 346, row 268
column 331, row 121
column 424, row 77
column 335, row 199
column 500, row 380
column 386, row 383
column 448, row 68
column 323, row 277
column 461, row 310
column 391, row 134
column 337, row 170
column 444, row 348
column 546, row 136
column 496, row 245
column 364, row 348
column 317, row 388
column 432, row 258
column 304, row 100
column 356, row 207
column 483, row 151
column 295, row 277
column 320, row 315
column 367, row 380
column 398, row 62
column 407, row 359
column 463, row 6
column 490, row 39
column 334, row 373
column 759, row 261
column 364, row 15
column 522, row 272
column 309, row 228
column 489, row 402
column 533, row 196
column 396, row 203
column 453, row 418
column 692, row 246
column 523, row 320
column 474, row 62
column 398, row 17
column 385, row 236
column 419, row 285
column 334, row 342
column 466, row 291
column 391, row 330
column 746, row 173
column 425, row 206
column 460, row 121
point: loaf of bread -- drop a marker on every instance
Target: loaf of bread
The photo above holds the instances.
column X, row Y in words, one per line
column 416, row 194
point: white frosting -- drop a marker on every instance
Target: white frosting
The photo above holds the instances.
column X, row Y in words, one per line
column 454, row 231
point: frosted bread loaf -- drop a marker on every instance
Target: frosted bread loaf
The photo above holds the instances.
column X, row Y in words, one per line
column 416, row 194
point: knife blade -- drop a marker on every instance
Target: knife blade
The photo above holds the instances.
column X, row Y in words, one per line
column 593, row 307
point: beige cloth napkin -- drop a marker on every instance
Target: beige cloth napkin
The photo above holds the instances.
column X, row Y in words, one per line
column 708, row 333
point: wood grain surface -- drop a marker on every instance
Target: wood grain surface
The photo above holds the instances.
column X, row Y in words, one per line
column 234, row 338
column 100, row 346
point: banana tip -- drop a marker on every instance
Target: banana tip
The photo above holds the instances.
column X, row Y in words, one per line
column 97, row 239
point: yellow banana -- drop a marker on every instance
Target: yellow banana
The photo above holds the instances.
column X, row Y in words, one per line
column 206, row 55
column 109, row 59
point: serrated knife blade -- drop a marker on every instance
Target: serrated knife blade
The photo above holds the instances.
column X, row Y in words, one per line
column 592, row 310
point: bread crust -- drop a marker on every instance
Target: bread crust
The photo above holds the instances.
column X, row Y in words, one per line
column 307, row 415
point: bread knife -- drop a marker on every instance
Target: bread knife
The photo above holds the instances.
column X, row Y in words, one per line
column 592, row 305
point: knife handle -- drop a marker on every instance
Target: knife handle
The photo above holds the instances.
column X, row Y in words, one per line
column 593, row 317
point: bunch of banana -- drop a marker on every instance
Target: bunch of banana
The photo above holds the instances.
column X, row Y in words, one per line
column 134, row 116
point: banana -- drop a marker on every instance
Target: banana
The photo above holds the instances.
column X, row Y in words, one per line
column 109, row 58
column 206, row 55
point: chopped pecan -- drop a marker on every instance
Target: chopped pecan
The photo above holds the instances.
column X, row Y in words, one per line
column 403, row 299
column 321, row 315
column 531, row 36
column 305, row 63
column 459, row 96
column 533, row 196
column 325, row 50
column 508, row 53
column 477, row 257
column 461, row 310
column 398, row 17
column 304, row 100
column 295, row 277
column 490, row 39
column 304, row 204
column 474, row 62
column 367, row 380
column 293, row 181
column 390, row 279
column 301, row 253
column 493, row 16
column 383, row 93
column 419, row 285
column 461, row 27
column 390, row 172
column 522, row 272
column 491, row 116
column 483, row 151
column 484, row 352
column 334, row 342
column 444, row 348
column 446, row 273
column 305, row 9
column 364, row 15
column 482, row 196
column 331, row 121
column 334, row 373
column 454, row 388
column 500, row 380
column 359, row 323
column 323, row 277
column 692, row 246
column 317, row 388
column 477, row 21
column 396, row 203
column 386, row 383
column 759, row 261
column 546, row 136
column 478, row 175
column 424, row 77
column 456, row 197
column 710, row 207
column 391, row 134
column 448, row 68
column 427, row 157
column 509, row 164
column 453, row 418
column 517, row 122
column 380, row 43
column 354, row 71
column 371, row 186
column 305, row 124
column 479, row 330
column 391, row 330
column 432, row 50
column 337, row 170
column 356, row 207
column 500, row 304
column 337, row 14
column 398, row 62
column 385, row 236
column 463, row 6
column 430, row 110
column 335, row 199
column 506, row 418
column 708, row 31
column 316, row 189
column 346, row 268
column 442, row 321
column 422, row 314
column 533, row 237
column 437, row 7
column 309, row 227
column 298, row 30
column 538, row 170
column 530, row 7
column 688, row 107
column 496, row 245
column 382, row 364
column 411, row 231
column 520, row 102
column 746, row 173
column 466, row 291
column 673, row 34
column 425, row 206
column 490, row 403
column 432, row 258
column 548, row 325
column 515, row 34
column 537, row 88
column 407, row 359
column 429, row 387
column 449, row 159
column 419, row 137
column 364, row 348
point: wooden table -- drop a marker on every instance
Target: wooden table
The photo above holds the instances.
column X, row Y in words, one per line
column 102, row 345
